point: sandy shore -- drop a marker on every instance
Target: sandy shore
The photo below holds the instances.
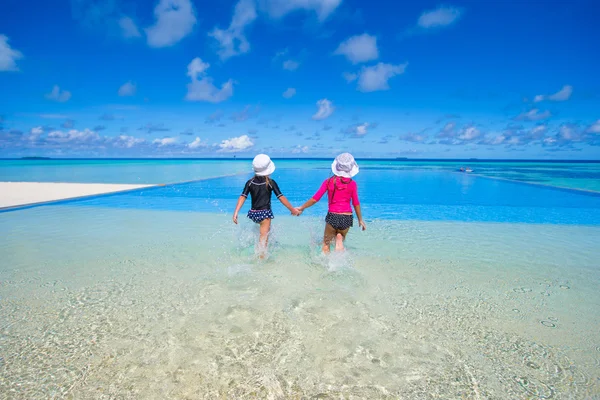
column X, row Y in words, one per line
column 13, row 194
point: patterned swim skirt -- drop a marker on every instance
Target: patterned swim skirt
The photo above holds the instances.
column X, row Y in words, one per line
column 260, row 215
column 340, row 222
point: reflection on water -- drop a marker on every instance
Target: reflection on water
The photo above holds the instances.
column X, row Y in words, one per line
column 413, row 310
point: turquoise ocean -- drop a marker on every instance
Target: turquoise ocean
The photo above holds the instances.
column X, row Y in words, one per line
column 464, row 286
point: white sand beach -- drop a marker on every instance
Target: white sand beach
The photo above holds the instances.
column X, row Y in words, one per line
column 13, row 194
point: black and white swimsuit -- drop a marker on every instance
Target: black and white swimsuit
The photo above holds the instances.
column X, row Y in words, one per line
column 260, row 193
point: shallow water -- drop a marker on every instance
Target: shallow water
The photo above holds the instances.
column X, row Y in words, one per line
column 461, row 287
column 575, row 175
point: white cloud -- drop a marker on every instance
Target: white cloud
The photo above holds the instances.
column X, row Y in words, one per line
column 533, row 115
column 74, row 136
column 175, row 19
column 469, row 133
column 196, row 144
column 232, row 40
column 440, row 17
column 127, row 89
column 289, row 93
column 359, row 48
column 128, row 28
column 300, row 149
column 361, row 129
column 594, row 128
column 203, row 89
column 326, row 108
column 8, row 55
column 58, row 95
column 562, row 95
column 35, row 133
column 291, row 65
column 350, row 76
column 127, row 142
column 568, row 133
column 280, row 8
column 236, row 144
column 376, row 77
column 168, row 141
column 538, row 131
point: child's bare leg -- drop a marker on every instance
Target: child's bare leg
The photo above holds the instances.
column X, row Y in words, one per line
column 328, row 237
column 263, row 241
column 339, row 239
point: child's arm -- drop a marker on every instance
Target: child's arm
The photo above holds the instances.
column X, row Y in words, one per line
column 282, row 198
column 313, row 200
column 239, row 205
column 288, row 205
column 356, row 204
column 309, row 203
column 361, row 223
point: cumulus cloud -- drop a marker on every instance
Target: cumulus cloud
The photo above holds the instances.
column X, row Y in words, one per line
column 58, row 95
column 128, row 142
column 235, row 144
column 279, row 8
column 565, row 136
column 232, row 40
column 594, row 128
column 167, row 141
column 196, row 144
column 533, row 115
column 376, row 77
column 562, row 95
column 8, row 55
column 127, row 89
column 325, row 109
column 359, row 48
column 74, row 136
column 359, row 130
column 291, row 65
column 469, row 133
column 174, row 20
column 201, row 87
column 440, row 17
column 129, row 28
column 289, row 93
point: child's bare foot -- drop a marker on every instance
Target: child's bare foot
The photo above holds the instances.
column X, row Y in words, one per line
column 339, row 242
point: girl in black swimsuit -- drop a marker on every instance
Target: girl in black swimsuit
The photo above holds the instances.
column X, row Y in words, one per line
column 260, row 188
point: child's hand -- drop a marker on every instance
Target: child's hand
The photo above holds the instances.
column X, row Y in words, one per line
column 362, row 225
column 235, row 216
column 296, row 212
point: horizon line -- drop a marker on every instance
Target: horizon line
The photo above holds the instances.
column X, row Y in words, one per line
column 471, row 159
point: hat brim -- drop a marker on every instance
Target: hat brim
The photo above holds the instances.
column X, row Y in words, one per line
column 344, row 174
column 270, row 169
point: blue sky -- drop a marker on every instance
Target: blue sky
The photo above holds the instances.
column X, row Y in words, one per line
column 187, row 78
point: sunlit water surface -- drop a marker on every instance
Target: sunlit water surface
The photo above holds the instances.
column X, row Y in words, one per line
column 156, row 294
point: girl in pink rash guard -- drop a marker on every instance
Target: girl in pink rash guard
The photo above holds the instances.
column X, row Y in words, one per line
column 341, row 190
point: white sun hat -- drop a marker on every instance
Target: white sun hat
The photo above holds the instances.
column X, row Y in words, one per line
column 344, row 166
column 263, row 165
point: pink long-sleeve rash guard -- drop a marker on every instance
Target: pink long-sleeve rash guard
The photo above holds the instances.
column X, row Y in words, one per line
column 341, row 191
